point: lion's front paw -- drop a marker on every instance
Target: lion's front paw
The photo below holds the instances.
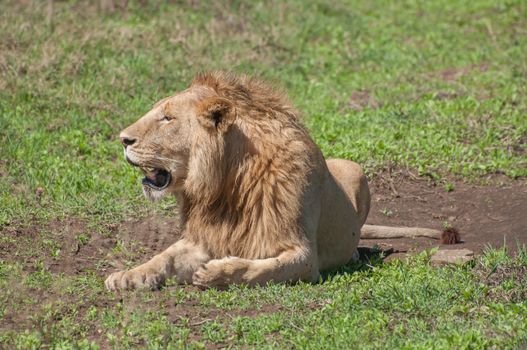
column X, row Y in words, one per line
column 134, row 279
column 209, row 276
column 220, row 273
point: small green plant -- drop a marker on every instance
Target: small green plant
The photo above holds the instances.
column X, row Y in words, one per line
column 446, row 225
column 449, row 186
column 83, row 239
column 386, row 212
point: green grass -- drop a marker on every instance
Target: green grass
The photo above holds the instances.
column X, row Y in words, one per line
column 442, row 85
column 436, row 86
column 399, row 304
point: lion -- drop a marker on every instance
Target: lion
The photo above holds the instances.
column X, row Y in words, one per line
column 258, row 201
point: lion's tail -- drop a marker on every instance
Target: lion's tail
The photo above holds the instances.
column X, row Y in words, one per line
column 447, row 236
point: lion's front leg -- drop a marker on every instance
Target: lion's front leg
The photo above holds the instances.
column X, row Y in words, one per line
column 290, row 266
column 181, row 260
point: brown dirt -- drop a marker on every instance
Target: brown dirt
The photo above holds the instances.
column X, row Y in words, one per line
column 454, row 73
column 27, row 245
column 492, row 215
column 497, row 278
column 360, row 100
column 141, row 239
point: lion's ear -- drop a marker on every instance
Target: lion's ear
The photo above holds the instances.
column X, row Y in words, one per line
column 216, row 113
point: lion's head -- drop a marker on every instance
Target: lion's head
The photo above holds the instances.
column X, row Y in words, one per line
column 163, row 142
column 234, row 151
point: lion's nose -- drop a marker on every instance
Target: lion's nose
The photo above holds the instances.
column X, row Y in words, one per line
column 127, row 141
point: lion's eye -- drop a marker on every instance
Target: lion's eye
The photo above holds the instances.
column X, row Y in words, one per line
column 166, row 117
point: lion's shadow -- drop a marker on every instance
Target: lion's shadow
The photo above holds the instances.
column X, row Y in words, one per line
column 369, row 258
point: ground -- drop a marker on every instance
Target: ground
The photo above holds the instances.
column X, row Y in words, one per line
column 491, row 215
column 429, row 97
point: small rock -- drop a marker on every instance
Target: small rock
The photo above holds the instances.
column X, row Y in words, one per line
column 452, row 256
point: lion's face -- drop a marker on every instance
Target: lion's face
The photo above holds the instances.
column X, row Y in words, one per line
column 161, row 142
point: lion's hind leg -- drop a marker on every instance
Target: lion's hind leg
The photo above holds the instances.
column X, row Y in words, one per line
column 290, row 266
column 351, row 178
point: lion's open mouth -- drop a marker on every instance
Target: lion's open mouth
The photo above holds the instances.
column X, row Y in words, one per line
column 156, row 179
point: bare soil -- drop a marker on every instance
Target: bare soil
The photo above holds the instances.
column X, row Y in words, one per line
column 492, row 215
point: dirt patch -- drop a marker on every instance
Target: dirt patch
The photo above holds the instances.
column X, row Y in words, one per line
column 82, row 247
column 507, row 283
column 68, row 246
column 454, row 73
column 72, row 246
column 155, row 233
column 360, row 100
column 140, row 239
column 484, row 215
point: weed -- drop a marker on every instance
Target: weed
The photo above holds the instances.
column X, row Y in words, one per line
column 386, row 212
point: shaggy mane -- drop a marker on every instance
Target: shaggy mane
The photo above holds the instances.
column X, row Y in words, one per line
column 245, row 187
column 247, row 92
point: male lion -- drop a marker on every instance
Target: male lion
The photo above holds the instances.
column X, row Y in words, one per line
column 258, row 201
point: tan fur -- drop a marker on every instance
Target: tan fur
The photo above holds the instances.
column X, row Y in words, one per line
column 258, row 201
